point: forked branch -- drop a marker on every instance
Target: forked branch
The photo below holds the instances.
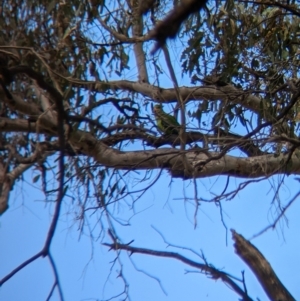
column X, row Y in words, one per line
column 205, row 268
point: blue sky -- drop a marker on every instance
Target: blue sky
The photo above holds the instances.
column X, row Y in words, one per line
column 85, row 267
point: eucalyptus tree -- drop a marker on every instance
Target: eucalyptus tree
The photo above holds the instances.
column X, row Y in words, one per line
column 79, row 81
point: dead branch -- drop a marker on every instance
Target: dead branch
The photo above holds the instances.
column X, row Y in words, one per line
column 261, row 268
column 205, row 268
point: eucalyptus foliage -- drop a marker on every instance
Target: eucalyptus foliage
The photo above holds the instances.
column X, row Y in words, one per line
column 79, row 80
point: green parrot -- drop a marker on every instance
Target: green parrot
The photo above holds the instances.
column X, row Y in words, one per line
column 165, row 122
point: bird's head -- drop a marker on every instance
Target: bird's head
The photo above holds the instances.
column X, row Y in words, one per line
column 157, row 109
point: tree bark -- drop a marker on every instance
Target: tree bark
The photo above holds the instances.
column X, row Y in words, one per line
column 262, row 269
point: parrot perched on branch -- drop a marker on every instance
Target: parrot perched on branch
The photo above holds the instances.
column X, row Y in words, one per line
column 165, row 122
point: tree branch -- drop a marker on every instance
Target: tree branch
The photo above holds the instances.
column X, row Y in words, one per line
column 261, row 268
column 20, row 267
column 7, row 180
column 204, row 163
column 137, row 30
column 168, row 95
column 204, row 268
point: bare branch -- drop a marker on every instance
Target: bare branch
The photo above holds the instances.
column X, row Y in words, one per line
column 17, row 125
column 165, row 95
column 204, row 163
column 279, row 217
column 261, row 268
column 20, row 267
column 7, row 180
column 137, row 30
column 57, row 282
column 204, row 268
